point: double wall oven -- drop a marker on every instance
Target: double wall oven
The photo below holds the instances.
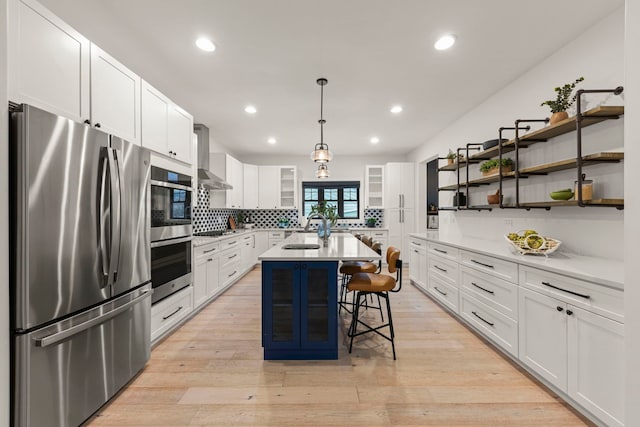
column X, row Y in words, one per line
column 171, row 232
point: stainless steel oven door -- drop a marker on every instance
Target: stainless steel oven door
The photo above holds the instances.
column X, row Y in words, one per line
column 170, row 210
column 170, row 266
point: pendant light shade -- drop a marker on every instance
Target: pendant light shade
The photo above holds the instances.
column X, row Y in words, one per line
column 321, row 153
column 323, row 171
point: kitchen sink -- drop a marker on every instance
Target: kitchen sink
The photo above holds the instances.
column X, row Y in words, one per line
column 301, row 246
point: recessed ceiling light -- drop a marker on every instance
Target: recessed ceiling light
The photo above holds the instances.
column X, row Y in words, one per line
column 271, row 140
column 250, row 109
column 205, row 44
column 375, row 140
column 445, row 42
column 396, row 109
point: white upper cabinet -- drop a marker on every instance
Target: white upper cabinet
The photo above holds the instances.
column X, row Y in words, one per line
column 251, row 183
column 288, row 187
column 231, row 170
column 166, row 128
column 374, row 187
column 399, row 185
column 115, row 96
column 48, row 61
column 268, row 188
column 180, row 133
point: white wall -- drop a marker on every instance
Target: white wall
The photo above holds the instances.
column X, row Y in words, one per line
column 632, row 212
column 4, row 226
column 598, row 55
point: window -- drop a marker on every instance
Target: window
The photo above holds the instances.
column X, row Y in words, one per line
column 178, row 204
column 343, row 194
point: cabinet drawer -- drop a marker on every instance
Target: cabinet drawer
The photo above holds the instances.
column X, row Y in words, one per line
column 443, row 292
column 503, row 269
column 276, row 235
column 206, row 250
column 275, row 242
column 168, row 312
column 229, row 257
column 496, row 293
column 229, row 243
column 444, row 268
column 229, row 273
column 443, row 251
column 494, row 325
column 604, row 301
column 378, row 235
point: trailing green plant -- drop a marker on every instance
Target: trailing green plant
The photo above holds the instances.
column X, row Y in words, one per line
column 493, row 163
column 563, row 100
column 328, row 211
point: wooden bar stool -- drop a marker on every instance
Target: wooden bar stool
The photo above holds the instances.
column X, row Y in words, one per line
column 364, row 284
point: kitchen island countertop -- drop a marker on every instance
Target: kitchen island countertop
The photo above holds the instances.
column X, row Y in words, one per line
column 342, row 246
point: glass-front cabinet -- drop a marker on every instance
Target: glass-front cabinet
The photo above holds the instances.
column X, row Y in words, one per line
column 374, row 187
column 299, row 318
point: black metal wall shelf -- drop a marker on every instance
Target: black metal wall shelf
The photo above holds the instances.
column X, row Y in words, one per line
column 575, row 123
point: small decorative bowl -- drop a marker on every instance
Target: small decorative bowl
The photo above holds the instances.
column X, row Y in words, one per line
column 561, row 195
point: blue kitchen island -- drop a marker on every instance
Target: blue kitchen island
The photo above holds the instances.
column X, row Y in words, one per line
column 300, row 295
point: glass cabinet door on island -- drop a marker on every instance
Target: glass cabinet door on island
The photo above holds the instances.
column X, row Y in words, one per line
column 299, row 310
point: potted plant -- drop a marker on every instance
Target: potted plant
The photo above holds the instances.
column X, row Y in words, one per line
column 451, row 156
column 492, row 167
column 283, row 222
column 563, row 101
column 371, row 222
column 240, row 217
column 328, row 211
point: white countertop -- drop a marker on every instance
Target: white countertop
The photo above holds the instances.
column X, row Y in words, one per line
column 602, row 271
column 342, row 246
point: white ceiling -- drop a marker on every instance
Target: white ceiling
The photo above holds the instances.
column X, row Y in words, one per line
column 375, row 53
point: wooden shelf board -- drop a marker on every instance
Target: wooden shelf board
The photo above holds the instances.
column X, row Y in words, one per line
column 594, row 202
column 485, row 180
column 591, row 159
column 456, row 165
column 593, row 116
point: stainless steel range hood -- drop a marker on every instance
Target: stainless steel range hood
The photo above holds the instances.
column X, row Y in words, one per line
column 205, row 177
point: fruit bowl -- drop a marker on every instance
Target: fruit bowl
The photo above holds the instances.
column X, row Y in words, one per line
column 565, row 194
column 529, row 242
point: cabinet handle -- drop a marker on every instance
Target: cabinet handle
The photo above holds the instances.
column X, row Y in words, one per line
column 482, row 264
column 234, row 272
column 415, row 250
column 564, row 290
column 210, row 250
column 232, row 243
column 439, row 250
column 210, row 259
column 559, row 308
column 97, row 125
column 480, row 317
column 439, row 268
column 175, row 312
column 480, row 287
column 439, row 291
column 233, row 256
column 569, row 312
column 87, row 122
column 399, row 201
column 416, row 243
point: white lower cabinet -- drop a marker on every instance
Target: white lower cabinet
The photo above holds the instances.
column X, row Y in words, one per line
column 494, row 325
column 206, row 278
column 261, row 243
column 418, row 262
column 275, row 237
column 444, row 292
column 171, row 310
column 247, row 246
column 579, row 352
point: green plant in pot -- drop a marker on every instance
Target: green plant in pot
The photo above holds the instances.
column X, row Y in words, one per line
column 241, row 219
column 283, row 222
column 563, row 101
column 328, row 211
column 451, row 156
column 492, row 167
column 371, row 222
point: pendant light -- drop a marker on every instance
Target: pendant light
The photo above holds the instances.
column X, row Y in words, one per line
column 321, row 153
column 323, row 171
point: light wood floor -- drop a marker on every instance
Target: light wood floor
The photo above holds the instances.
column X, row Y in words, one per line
column 210, row 372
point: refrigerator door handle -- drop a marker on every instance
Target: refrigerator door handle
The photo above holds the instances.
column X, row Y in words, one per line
column 102, row 215
column 59, row 336
column 399, row 200
column 116, row 204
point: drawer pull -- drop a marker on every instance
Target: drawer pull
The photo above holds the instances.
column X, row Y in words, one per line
column 210, row 259
column 439, row 250
column 569, row 312
column 559, row 308
column 440, row 268
column 234, row 272
column 440, row 292
column 210, row 250
column 480, row 317
column 564, row 290
column 175, row 312
column 416, row 251
column 232, row 243
column 482, row 264
column 233, row 256
column 480, row 287
column 416, row 243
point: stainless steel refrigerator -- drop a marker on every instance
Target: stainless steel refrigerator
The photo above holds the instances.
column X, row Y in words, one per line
column 80, row 267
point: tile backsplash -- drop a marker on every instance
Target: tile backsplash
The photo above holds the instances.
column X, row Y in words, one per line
column 207, row 219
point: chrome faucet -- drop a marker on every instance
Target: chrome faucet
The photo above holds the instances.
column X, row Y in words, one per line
column 325, row 226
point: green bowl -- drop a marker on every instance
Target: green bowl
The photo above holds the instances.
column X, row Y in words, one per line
column 561, row 195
